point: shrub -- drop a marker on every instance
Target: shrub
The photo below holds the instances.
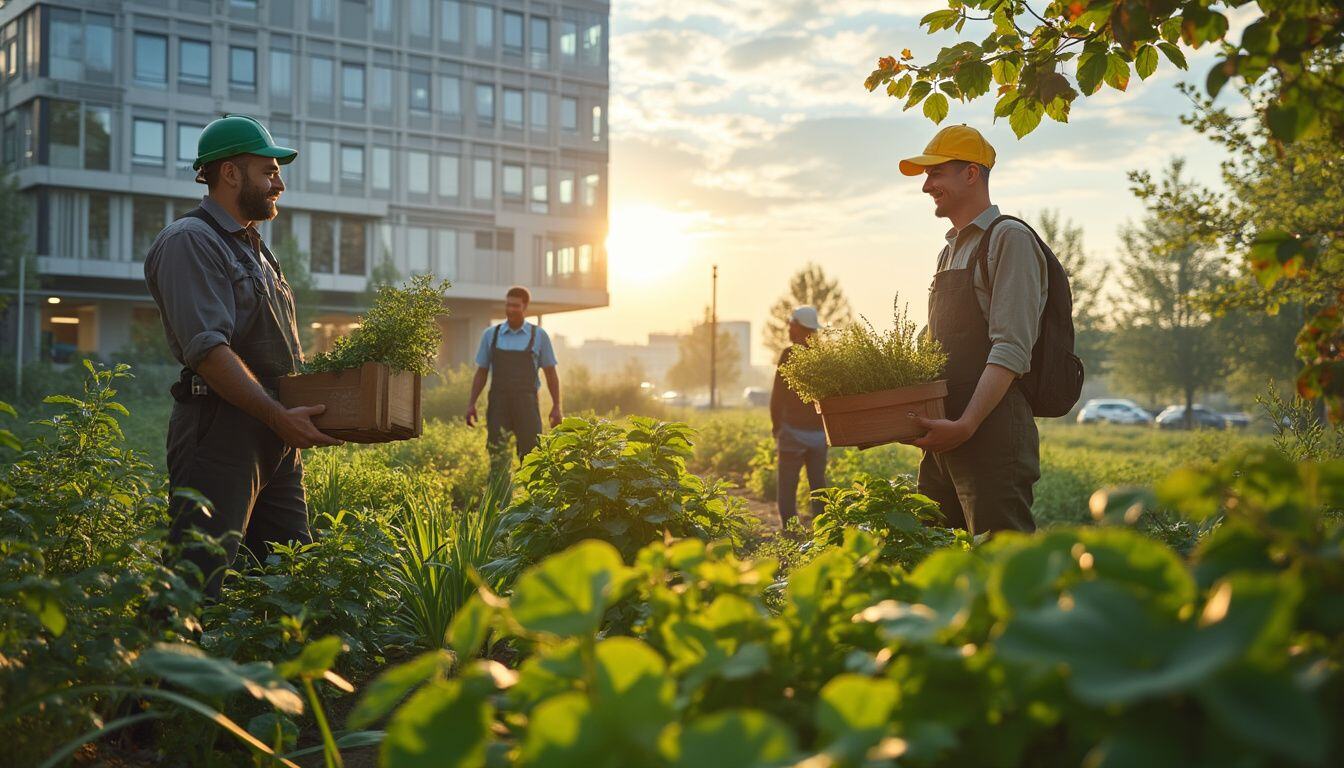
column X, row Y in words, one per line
column 401, row 330
column 910, row 523
column 860, row 359
column 626, row 484
column 726, row 442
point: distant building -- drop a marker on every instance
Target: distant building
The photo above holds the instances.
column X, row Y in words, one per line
column 463, row 139
column 604, row 357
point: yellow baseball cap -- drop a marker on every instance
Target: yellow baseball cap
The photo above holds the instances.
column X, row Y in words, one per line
column 955, row 142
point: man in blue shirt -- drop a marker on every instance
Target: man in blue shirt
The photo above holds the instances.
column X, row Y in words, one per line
column 510, row 355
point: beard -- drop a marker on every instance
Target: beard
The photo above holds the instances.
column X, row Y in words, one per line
column 255, row 204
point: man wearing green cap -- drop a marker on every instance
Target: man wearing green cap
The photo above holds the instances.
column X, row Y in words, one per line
column 228, row 314
column 985, row 307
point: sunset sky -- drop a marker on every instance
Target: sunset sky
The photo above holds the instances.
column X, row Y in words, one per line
column 741, row 135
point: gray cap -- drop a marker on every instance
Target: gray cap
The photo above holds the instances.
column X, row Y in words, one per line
column 806, row 316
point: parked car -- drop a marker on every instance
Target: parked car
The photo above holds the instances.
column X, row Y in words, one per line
column 1237, row 420
column 756, row 396
column 1114, row 411
column 1173, row 417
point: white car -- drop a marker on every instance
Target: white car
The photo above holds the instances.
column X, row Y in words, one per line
column 1114, row 411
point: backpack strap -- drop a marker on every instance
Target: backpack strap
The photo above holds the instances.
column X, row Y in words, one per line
column 981, row 256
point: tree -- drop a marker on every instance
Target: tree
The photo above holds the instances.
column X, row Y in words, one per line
column 14, row 212
column 808, row 285
column 1087, row 281
column 294, row 262
column 1166, row 339
column 691, row 371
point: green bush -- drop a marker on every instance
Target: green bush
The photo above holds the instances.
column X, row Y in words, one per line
column 622, row 483
column 860, row 359
column 726, row 442
column 910, row 524
column 401, row 329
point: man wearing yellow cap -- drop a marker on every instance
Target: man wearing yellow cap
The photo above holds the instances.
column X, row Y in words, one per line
column 985, row 306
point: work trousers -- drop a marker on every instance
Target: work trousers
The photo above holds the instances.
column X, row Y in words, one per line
column 518, row 412
column 253, row 480
column 985, row 484
column 796, row 449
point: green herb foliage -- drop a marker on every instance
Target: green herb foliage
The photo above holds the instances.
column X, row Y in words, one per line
column 910, row 523
column 859, row 359
column 401, row 330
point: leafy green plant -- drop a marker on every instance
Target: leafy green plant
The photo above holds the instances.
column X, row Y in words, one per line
column 909, row 522
column 401, row 329
column 859, row 359
column 626, row 484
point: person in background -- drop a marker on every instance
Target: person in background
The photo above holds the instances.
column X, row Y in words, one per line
column 800, row 439
column 510, row 356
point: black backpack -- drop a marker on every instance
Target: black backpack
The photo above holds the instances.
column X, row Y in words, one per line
column 1055, row 381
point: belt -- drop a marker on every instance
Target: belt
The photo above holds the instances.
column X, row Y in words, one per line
column 200, row 389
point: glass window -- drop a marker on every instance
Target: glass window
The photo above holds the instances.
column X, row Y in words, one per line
column 513, row 32
column 585, row 258
column 353, row 246
column 597, row 123
column 382, row 15
column 98, row 43
column 382, row 243
column 448, row 176
column 322, row 73
column 541, row 190
column 419, row 91
column 193, row 62
column 417, row 172
column 513, row 108
column 485, row 26
column 483, row 179
column 382, row 168
column 66, row 45
column 511, row 185
column 569, row 40
column 539, row 47
column 540, row 112
column 151, row 59
column 352, row 163
column 63, row 135
column 243, row 68
column 147, row 142
column 352, row 85
column 448, row 253
column 417, row 250
column 569, row 114
column 282, row 71
column 450, row 21
column 319, row 162
column 590, row 183
column 450, row 96
column 592, row 42
column 565, row 187
column 420, row 21
column 148, row 218
column 322, row 10
column 187, row 138
column 322, row 245
column 98, row 138
column 485, row 104
column 99, row 228
column 382, row 89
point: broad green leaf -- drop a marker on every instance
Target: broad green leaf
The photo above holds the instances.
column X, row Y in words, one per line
column 1006, row 70
column 1125, row 556
column 741, row 738
column 1058, row 109
column 566, row 594
column 389, row 688
column 854, row 711
column 937, row 20
column 1290, row 122
column 974, row 79
column 633, row 692
column 470, row 626
column 1173, row 54
column 562, row 732
column 316, row 658
column 1117, row 71
column 1217, row 78
column 935, row 107
column 443, row 725
column 1026, row 116
column 8, row 409
column 47, row 608
column 1091, row 70
column 1145, row 62
column 1269, row 711
column 190, row 668
column 275, row 730
column 918, row 91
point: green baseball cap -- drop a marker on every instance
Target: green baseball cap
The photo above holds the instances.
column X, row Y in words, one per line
column 238, row 135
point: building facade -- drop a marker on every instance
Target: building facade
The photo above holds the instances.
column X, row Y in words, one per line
column 463, row 139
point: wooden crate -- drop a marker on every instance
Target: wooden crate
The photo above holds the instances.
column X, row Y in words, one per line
column 876, row 418
column 369, row 404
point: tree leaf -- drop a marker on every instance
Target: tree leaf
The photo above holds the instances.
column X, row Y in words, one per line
column 1173, row 54
column 1026, row 116
column 935, row 107
column 918, row 91
column 1117, row 71
column 1091, row 70
column 566, row 594
column 1145, row 62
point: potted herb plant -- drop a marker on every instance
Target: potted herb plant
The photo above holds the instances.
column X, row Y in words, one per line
column 865, row 383
column 370, row 380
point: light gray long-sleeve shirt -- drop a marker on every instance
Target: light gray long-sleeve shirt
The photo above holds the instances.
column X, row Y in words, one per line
column 1014, row 297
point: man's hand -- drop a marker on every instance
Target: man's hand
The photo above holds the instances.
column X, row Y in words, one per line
column 556, row 417
column 472, row 418
column 943, row 434
column 295, row 427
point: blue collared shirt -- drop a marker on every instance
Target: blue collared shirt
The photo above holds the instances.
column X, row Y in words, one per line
column 516, row 340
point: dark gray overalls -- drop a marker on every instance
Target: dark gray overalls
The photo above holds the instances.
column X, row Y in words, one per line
column 514, row 404
column 984, row 484
column 253, row 479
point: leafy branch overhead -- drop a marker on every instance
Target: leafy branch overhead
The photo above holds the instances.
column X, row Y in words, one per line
column 1037, row 63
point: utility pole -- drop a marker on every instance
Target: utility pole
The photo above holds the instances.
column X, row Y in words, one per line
column 714, row 341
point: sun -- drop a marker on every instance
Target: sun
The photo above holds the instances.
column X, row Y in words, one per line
column 646, row 243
